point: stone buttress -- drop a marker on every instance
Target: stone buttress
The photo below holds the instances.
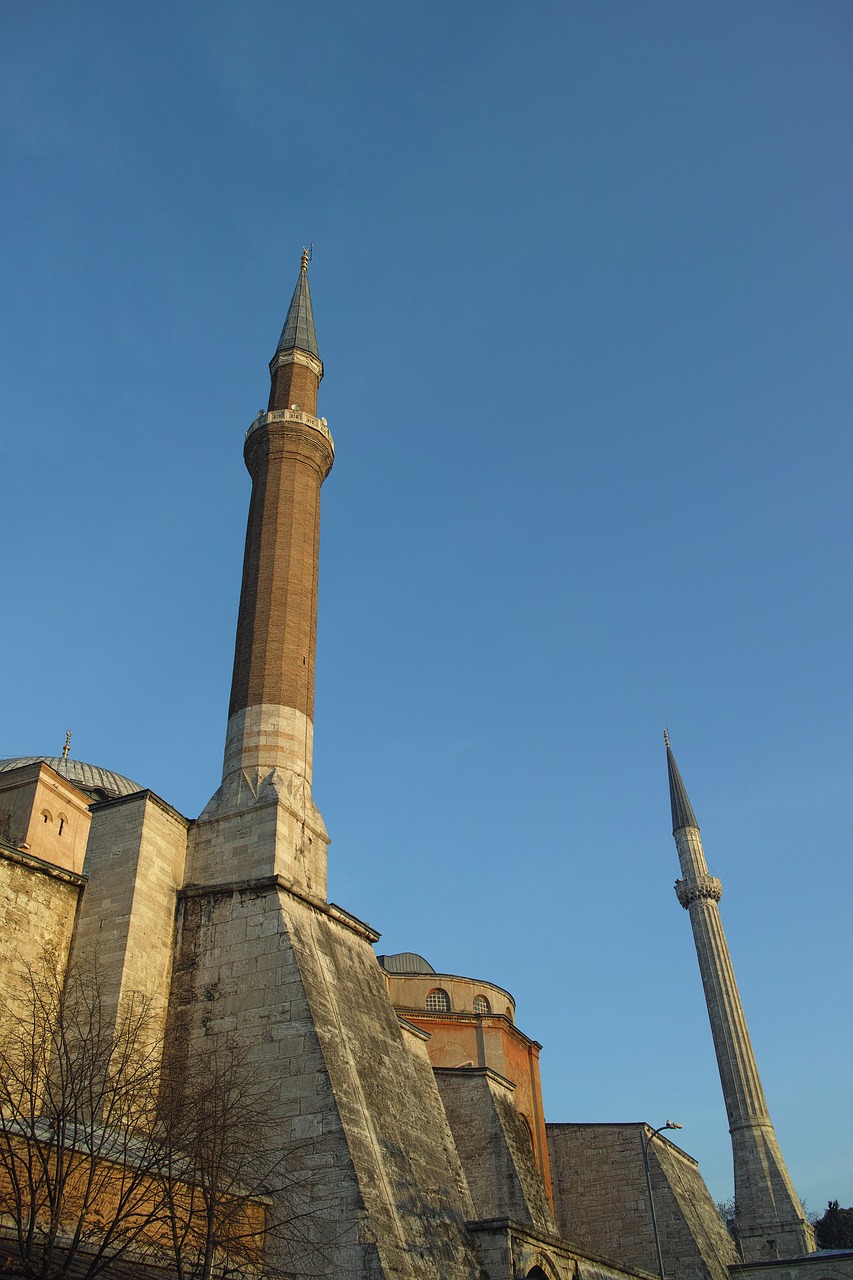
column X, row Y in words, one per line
column 769, row 1218
column 262, row 960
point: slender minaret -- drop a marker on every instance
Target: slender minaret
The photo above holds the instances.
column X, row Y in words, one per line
column 269, row 740
column 769, row 1218
column 369, row 1181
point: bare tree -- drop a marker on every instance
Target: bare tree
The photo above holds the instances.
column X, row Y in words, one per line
column 77, row 1147
column 235, row 1192
column 115, row 1154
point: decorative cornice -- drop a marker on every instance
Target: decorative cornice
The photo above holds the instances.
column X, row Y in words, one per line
column 488, row 1073
column 702, row 888
column 32, row 863
column 294, row 356
column 412, row 1012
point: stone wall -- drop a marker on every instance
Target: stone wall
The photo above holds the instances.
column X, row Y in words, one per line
column 495, row 1147
column 357, row 1111
column 135, row 862
column 508, row 1251
column 602, row 1202
column 460, row 1037
column 827, row 1264
column 38, row 907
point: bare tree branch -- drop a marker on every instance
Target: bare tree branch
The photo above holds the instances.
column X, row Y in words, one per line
column 116, row 1154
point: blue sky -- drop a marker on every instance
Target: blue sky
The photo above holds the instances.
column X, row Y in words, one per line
column 582, row 282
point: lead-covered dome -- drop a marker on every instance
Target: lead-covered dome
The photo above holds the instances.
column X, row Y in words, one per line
column 405, row 962
column 100, row 784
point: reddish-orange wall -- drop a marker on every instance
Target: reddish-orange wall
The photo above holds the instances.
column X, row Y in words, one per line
column 458, row 1040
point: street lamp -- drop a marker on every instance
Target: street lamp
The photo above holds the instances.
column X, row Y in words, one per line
column 670, row 1124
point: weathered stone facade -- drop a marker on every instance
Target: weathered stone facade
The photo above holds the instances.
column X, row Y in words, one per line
column 604, row 1201
column 297, row 982
column 38, row 908
column 826, row 1264
column 471, row 1023
column 135, row 863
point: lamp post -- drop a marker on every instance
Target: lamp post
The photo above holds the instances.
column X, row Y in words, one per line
column 670, row 1124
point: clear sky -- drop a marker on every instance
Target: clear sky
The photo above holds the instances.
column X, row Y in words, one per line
column 582, row 284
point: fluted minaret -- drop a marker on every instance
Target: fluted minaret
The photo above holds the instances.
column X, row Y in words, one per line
column 269, row 739
column 769, row 1218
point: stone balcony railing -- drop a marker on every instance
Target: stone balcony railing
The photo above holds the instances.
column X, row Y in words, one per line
column 702, row 888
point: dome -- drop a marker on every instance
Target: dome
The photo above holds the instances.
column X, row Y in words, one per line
column 100, row 784
column 405, row 962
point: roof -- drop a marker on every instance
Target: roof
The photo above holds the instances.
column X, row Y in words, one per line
column 299, row 331
column 90, row 778
column 405, row 962
column 682, row 810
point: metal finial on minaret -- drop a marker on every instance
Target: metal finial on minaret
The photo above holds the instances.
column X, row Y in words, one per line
column 67, row 746
column 766, row 1204
column 666, row 735
column 297, row 346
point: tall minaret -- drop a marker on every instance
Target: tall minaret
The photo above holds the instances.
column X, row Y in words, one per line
column 769, row 1218
column 268, row 746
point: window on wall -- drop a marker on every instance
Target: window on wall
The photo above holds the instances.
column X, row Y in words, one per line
column 438, row 1000
column 45, row 816
column 481, row 1005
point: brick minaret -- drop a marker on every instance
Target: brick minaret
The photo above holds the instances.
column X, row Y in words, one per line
column 369, row 1181
column 268, row 747
column 769, row 1218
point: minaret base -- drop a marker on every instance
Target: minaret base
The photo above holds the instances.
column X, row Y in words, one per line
column 767, row 1222
column 783, row 1240
column 257, row 825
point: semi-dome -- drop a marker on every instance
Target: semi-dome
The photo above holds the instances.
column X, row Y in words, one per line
column 100, row 784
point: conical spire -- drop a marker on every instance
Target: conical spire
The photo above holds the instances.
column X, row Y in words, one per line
column 299, row 332
column 682, row 809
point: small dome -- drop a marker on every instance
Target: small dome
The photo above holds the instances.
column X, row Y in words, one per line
column 100, row 784
column 405, row 962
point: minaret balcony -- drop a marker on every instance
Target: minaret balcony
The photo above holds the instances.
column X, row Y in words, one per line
column 319, row 425
column 699, row 889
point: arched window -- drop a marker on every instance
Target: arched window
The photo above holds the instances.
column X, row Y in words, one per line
column 438, row 1000
column 45, row 816
column 481, row 1005
column 62, row 822
column 509, row 1013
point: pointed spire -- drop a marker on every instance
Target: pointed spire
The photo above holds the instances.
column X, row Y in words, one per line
column 682, row 810
column 299, row 332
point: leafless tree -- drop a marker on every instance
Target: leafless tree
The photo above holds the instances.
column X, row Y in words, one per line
column 77, row 1148
column 238, row 1197
column 115, row 1154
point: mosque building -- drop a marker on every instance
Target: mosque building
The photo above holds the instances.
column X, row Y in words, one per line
column 408, row 1098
